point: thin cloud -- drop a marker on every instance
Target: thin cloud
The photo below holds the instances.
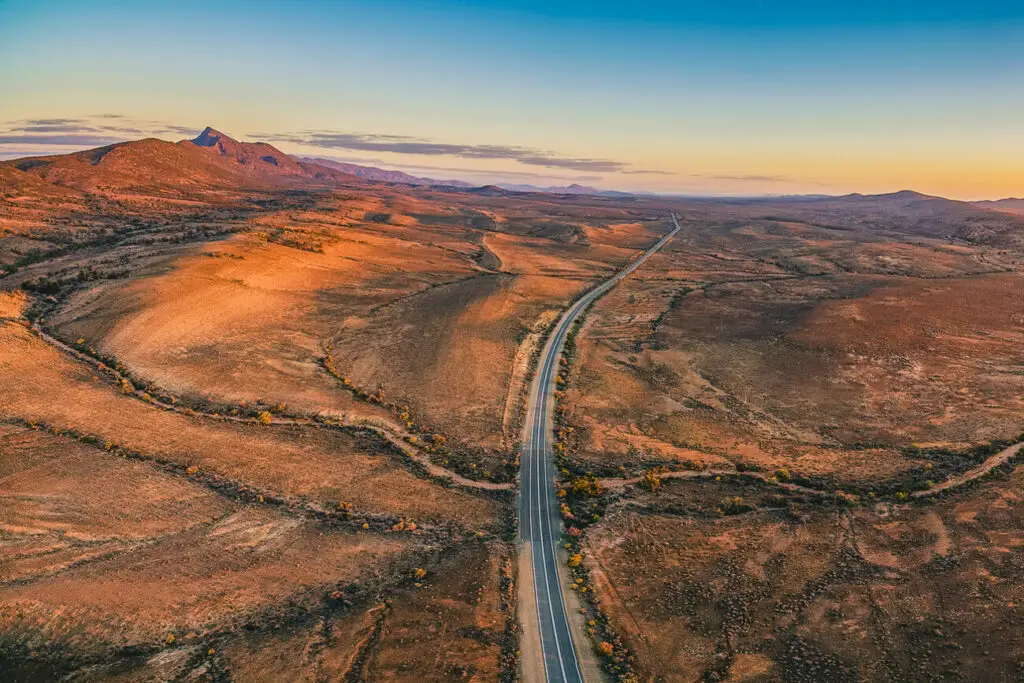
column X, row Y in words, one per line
column 102, row 129
column 187, row 131
column 50, row 122
column 435, row 171
column 645, row 172
column 56, row 128
column 32, row 137
column 402, row 144
column 113, row 123
column 108, row 128
column 64, row 139
column 20, row 137
column 748, row 178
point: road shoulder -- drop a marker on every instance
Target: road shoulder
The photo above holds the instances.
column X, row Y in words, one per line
column 576, row 612
column 531, row 660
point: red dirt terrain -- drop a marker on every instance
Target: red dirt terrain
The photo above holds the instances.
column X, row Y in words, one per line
column 259, row 420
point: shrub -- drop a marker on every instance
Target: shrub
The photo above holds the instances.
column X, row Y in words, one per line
column 652, row 478
column 586, row 486
column 734, row 506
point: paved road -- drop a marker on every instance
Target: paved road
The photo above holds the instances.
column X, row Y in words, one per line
column 540, row 521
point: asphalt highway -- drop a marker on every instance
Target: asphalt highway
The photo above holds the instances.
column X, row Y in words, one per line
column 540, row 523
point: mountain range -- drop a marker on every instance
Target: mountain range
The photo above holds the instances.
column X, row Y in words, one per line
column 382, row 175
column 208, row 161
column 215, row 160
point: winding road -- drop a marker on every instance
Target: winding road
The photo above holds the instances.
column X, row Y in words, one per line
column 539, row 519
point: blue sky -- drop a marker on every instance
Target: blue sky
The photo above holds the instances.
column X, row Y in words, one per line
column 727, row 97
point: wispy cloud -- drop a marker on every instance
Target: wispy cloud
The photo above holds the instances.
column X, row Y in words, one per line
column 49, row 122
column 186, row 131
column 440, row 171
column 57, row 135
column 646, row 172
column 747, row 178
column 55, row 128
column 402, row 144
column 108, row 128
column 63, row 139
column 97, row 124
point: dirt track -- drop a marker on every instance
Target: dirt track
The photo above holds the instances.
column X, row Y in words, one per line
column 981, row 470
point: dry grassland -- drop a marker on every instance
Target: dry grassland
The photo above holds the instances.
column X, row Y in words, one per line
column 884, row 593
column 323, row 467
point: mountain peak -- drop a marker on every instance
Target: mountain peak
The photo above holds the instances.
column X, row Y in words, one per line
column 210, row 137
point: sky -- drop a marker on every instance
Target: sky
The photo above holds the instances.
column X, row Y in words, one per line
column 731, row 97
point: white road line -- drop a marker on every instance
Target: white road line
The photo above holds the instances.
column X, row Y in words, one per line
column 549, row 476
column 539, row 449
column 533, row 542
column 535, row 485
column 549, row 480
column 544, row 568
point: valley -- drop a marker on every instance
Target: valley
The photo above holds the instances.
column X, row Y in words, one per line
column 262, row 419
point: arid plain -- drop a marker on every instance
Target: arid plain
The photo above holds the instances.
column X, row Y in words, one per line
column 260, row 420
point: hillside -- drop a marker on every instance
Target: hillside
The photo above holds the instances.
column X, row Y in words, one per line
column 1010, row 205
column 211, row 160
column 251, row 158
column 15, row 184
column 907, row 212
column 574, row 188
column 249, row 366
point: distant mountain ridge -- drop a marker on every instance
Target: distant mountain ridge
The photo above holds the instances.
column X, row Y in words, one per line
column 214, row 161
column 1009, row 201
column 574, row 188
column 1009, row 205
column 382, row 175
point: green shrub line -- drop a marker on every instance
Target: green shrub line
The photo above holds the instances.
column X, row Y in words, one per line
column 461, row 458
column 120, row 377
column 511, row 634
column 113, row 238
column 335, row 513
column 826, row 492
